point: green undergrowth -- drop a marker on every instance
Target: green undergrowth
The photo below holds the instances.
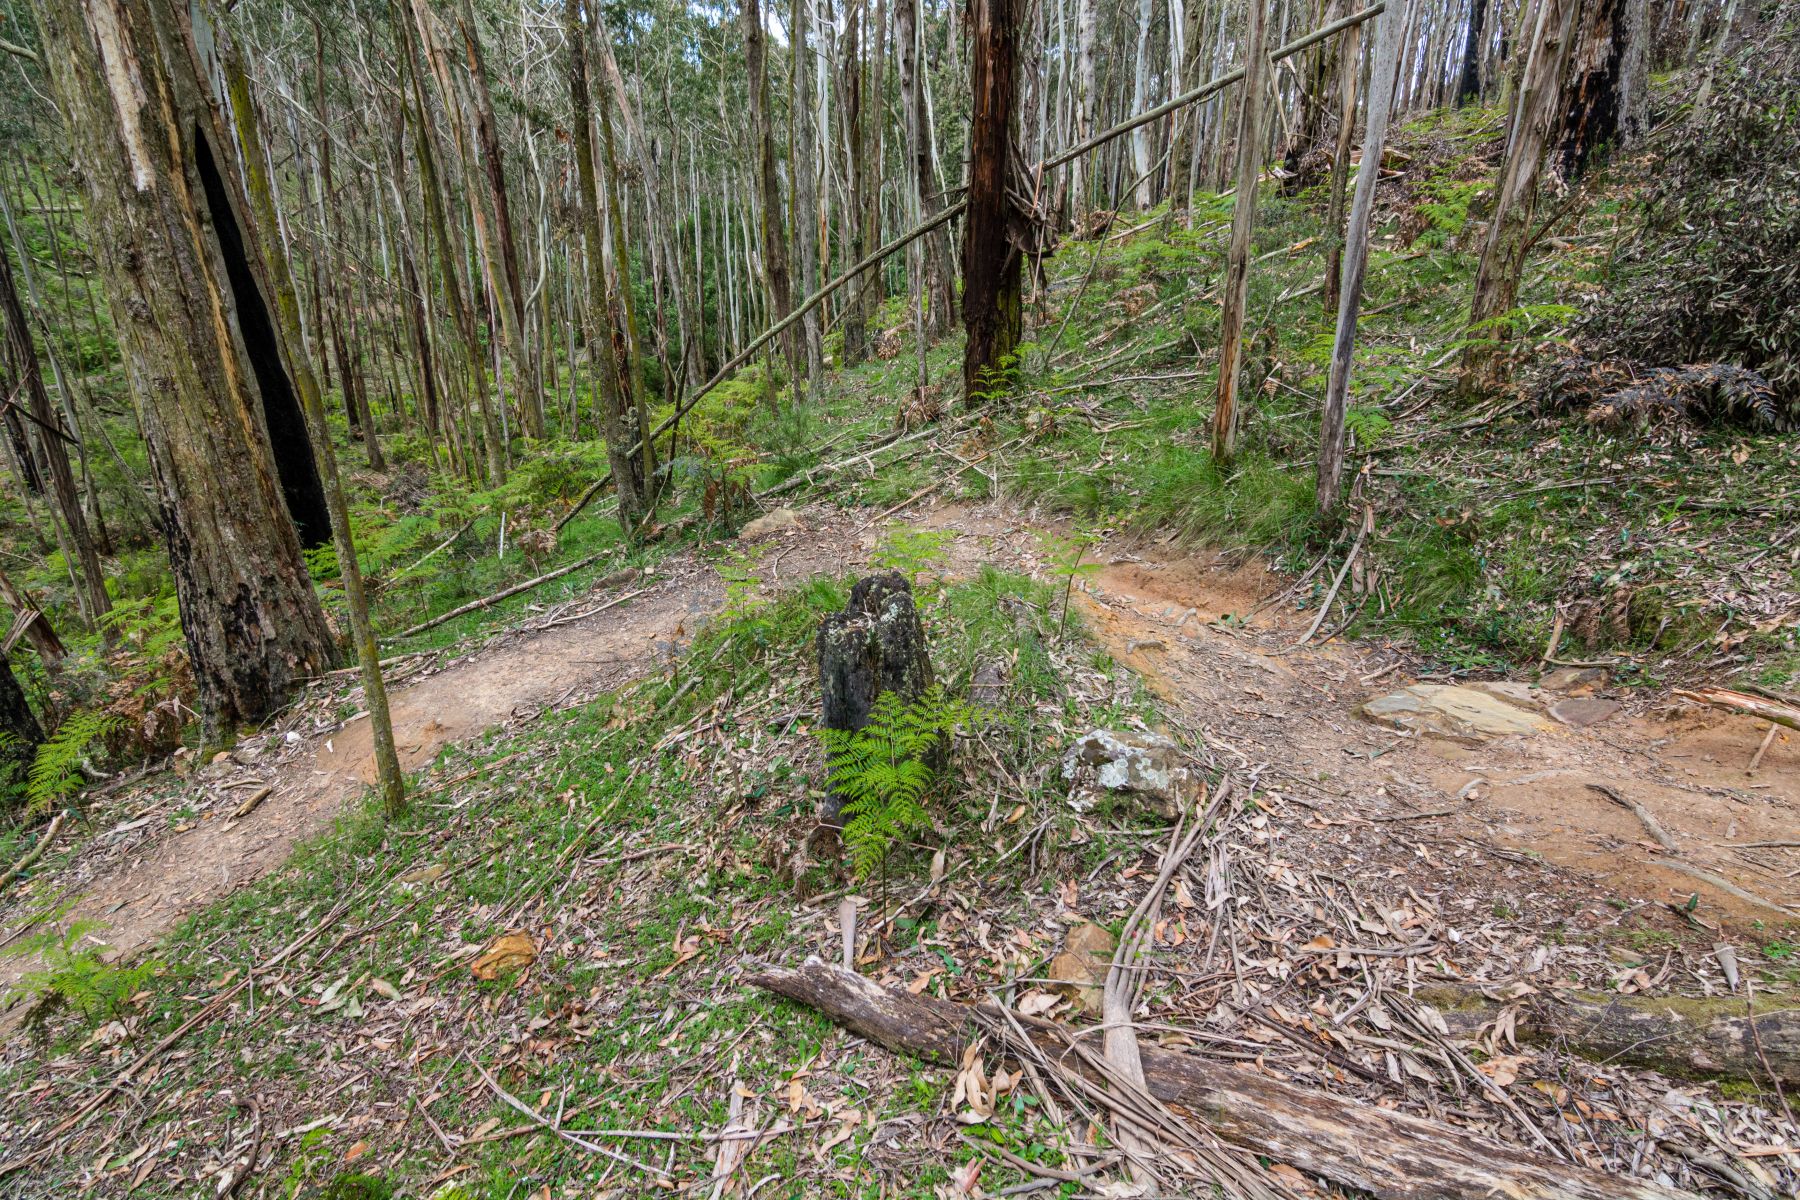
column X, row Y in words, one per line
column 653, row 845
column 1660, row 545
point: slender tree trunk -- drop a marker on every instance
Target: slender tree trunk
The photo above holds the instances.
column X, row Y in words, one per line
column 935, row 288
column 1337, row 391
column 776, row 283
column 1236, row 289
column 527, row 365
column 1349, row 75
column 627, row 477
column 993, row 237
column 1536, row 115
column 141, row 126
column 1140, row 100
column 1087, row 97
column 855, row 122
column 53, row 455
column 805, row 171
column 368, row 655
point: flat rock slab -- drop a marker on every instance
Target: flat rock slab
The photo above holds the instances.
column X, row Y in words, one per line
column 1462, row 714
column 1579, row 712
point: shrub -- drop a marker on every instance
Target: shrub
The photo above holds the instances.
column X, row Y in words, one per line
column 1706, row 272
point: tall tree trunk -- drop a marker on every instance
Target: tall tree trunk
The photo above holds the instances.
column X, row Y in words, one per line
column 312, row 400
column 1599, row 85
column 627, row 478
column 511, row 299
column 1349, row 74
column 141, row 126
column 993, row 242
column 934, row 287
column 1469, row 87
column 21, row 351
column 874, row 289
column 805, row 172
column 776, row 284
column 1236, row 290
column 1356, row 253
column 855, row 125
column 1536, row 116
column 1140, row 100
column 1087, row 99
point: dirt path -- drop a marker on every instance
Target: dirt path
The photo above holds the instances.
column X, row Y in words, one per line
column 139, row 881
column 1290, row 714
column 1295, row 715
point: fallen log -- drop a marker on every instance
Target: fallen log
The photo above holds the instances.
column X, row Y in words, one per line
column 1743, row 702
column 1684, row 1038
column 1390, row 1155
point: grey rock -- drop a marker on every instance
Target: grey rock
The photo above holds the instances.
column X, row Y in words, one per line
column 1141, row 764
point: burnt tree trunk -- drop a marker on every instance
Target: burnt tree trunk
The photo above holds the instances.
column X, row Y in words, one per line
column 875, row 645
column 1469, row 86
column 202, row 357
column 993, row 258
column 20, row 734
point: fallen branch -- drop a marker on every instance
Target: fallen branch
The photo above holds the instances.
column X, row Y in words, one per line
column 1390, row 1155
column 1661, row 1033
column 1368, row 523
column 1743, row 702
column 1644, row 816
column 503, row 594
column 35, row 853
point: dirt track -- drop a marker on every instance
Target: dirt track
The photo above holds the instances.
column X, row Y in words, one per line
column 1291, row 713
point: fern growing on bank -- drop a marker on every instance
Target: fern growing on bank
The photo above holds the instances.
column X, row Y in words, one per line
column 886, row 770
column 55, row 773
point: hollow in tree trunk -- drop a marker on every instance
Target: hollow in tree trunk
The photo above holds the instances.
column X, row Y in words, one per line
column 143, row 132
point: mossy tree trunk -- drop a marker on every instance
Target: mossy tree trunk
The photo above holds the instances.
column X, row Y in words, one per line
column 143, row 132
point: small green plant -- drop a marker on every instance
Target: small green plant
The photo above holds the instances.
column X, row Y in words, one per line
column 55, row 773
column 73, row 973
column 912, row 552
column 885, row 771
column 995, row 383
column 1065, row 555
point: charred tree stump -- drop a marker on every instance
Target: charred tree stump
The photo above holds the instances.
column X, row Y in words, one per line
column 875, row 645
column 20, row 734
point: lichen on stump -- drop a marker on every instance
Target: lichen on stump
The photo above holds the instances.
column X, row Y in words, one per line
column 875, row 645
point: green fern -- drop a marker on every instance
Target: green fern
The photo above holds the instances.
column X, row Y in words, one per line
column 74, row 974
column 885, row 771
column 56, row 771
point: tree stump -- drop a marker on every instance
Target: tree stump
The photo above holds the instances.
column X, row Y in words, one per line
column 875, row 645
column 20, row 734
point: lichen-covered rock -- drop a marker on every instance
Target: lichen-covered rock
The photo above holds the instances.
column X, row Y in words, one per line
column 1141, row 764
